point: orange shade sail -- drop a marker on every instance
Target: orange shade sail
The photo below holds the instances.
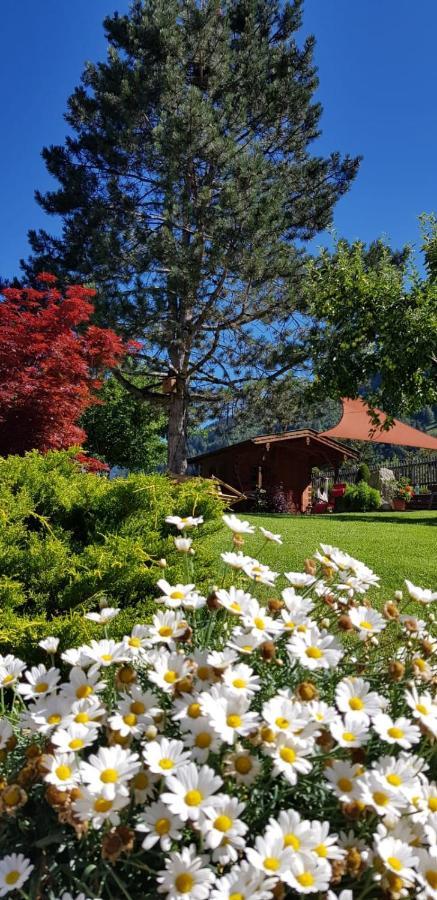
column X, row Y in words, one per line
column 355, row 425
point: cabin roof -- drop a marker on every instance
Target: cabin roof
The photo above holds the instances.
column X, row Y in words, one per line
column 306, row 434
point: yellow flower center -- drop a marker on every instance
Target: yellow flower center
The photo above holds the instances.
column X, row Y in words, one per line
column 106, row 657
column 41, row 687
column 420, row 663
column 203, row 673
column 223, row 823
column 432, row 804
column 356, row 703
column 166, row 763
column 306, row 879
column 349, row 736
column 81, row 718
column 134, row 642
column 239, row 683
column 395, row 733
column 203, row 740
column 170, row 676
column 233, row 720
column 12, row 877
column 314, row 652
column 431, row 877
column 365, row 624
column 63, row 773
column 290, row 624
column 301, row 629
column 165, row 631
column 236, row 607
column 344, row 784
column 7, row 679
column 287, row 754
column 290, row 840
column 130, row 719
column 321, row 850
column 380, row 798
column 422, row 709
column 271, row 863
column 177, row 595
column 102, row 805
column 76, row 744
column 84, row 690
column 395, row 863
column 280, row 722
column 54, row 719
column 109, row 776
column 394, row 779
column 162, row 826
column 137, row 708
column 141, row 781
column 237, row 896
column 194, row 710
column 243, row 765
column 193, row 798
column 259, row 623
column 184, row 882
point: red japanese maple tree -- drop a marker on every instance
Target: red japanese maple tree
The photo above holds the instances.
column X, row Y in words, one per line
column 51, row 361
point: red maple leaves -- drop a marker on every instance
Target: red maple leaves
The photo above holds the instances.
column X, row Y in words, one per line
column 51, row 358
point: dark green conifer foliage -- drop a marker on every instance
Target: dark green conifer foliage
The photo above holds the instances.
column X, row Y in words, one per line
column 186, row 182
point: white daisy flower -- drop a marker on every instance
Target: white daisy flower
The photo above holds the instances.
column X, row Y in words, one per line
column 241, row 679
column 221, row 659
column 269, row 855
column 397, row 857
column 158, row 824
column 400, row 773
column 423, row 708
column 99, row 809
column 137, row 641
column 47, row 714
column 203, row 670
column 135, row 713
column 299, row 579
column 174, row 595
column 103, row 616
column 342, row 779
column 74, row 738
column 183, row 544
column 186, row 876
column 109, row 771
column 201, row 739
column 323, row 844
column 260, row 573
column 143, row 785
column 350, row 731
column 354, row 697
column 288, row 756
column 236, row 560
column 245, row 641
column 396, row 731
column 61, row 770
column 308, row 875
column 270, row 536
column 6, row 732
column 427, row 874
column 168, row 668
column 292, row 620
column 320, row 712
column 166, row 756
column 14, row 872
column 373, row 791
column 190, row 791
column 39, row 682
column 242, row 766
column 49, row 644
column 104, row 653
column 294, row 831
column 420, row 595
column 256, row 619
column 88, row 712
column 186, row 709
column 367, row 621
column 223, row 830
column 284, row 715
column 167, row 627
column 243, row 881
column 82, row 685
column 75, row 656
column 184, row 522
column 343, row 895
column 295, row 603
column 238, row 526
column 234, row 600
column 314, row 649
column 11, row 669
column 228, row 713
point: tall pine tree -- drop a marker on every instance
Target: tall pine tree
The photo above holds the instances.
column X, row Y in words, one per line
column 187, row 186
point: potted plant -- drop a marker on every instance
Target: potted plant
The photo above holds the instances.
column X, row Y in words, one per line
column 403, row 494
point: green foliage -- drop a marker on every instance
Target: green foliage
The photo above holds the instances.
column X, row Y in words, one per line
column 68, row 536
column 124, row 432
column 363, row 473
column 360, row 498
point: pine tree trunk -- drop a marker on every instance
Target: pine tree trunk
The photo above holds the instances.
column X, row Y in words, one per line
column 177, row 434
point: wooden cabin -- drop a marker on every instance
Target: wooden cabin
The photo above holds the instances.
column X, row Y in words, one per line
column 275, row 462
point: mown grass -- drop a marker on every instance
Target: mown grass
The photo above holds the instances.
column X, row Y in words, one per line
column 395, row 545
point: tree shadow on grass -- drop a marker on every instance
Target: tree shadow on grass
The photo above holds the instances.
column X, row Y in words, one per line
column 382, row 518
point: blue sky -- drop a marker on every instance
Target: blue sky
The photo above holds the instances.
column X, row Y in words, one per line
column 378, row 78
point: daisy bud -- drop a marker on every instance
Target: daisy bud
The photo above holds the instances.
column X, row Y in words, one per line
column 354, row 860
column 374, row 640
column 410, row 625
column 162, row 563
column 114, row 737
column 267, row 734
column 325, row 623
column 55, row 797
column 352, row 811
column 151, row 732
column 345, row 623
column 184, row 685
column 329, row 599
column 358, row 755
column 32, row 751
column 11, row 743
column 310, row 566
column 307, row 691
column 27, row 776
column 427, row 648
column 275, row 604
column 212, row 601
column 268, row 650
column 186, row 636
column 398, row 595
column 395, row 884
column 238, row 540
column 119, row 840
column 103, row 603
column 396, row 670
column 278, row 892
column 338, row 867
column 325, row 741
column 11, row 798
column 390, row 610
column 124, row 676
column 192, row 551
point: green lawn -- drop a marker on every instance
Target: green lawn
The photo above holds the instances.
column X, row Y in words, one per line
column 394, row 545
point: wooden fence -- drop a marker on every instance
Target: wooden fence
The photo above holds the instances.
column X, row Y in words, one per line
column 421, row 474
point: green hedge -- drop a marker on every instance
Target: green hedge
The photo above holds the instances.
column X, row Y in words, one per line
column 360, row 498
column 67, row 536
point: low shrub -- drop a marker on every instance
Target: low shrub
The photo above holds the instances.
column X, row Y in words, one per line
column 363, row 474
column 68, row 536
column 360, row 498
column 264, row 742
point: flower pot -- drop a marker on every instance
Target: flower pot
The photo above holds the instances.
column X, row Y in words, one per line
column 398, row 504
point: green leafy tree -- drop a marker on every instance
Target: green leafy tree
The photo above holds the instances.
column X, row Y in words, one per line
column 187, row 186
column 376, row 324
column 124, row 432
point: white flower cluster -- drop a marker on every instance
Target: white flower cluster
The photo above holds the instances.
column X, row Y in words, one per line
column 207, row 730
